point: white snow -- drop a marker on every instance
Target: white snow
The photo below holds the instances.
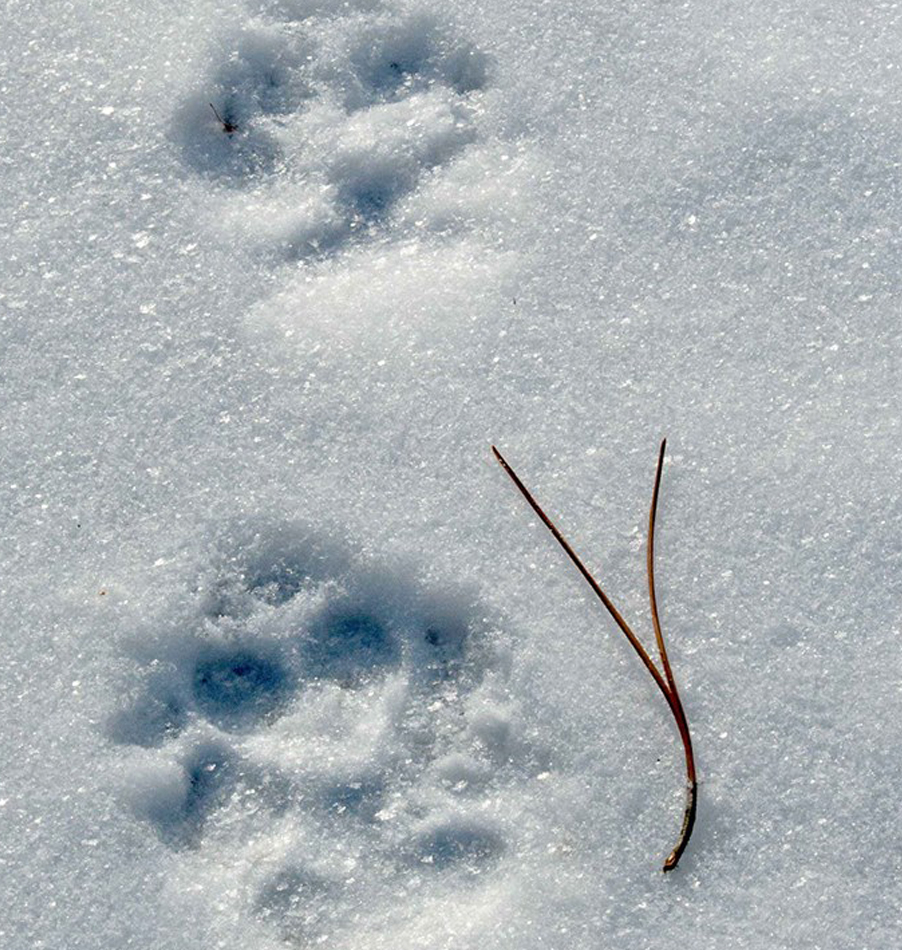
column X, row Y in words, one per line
column 287, row 661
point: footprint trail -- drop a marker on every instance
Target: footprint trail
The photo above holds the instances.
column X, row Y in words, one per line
column 315, row 738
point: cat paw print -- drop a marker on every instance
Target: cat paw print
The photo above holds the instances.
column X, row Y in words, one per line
column 322, row 729
column 328, row 117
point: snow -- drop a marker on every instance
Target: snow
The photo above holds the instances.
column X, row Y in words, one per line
column 287, row 660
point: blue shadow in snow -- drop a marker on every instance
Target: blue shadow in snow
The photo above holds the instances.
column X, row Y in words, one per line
column 348, row 645
column 238, row 689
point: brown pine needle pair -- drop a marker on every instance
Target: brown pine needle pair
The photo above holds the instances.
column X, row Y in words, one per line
column 663, row 677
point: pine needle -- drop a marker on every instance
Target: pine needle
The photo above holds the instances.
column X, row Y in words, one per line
column 663, row 677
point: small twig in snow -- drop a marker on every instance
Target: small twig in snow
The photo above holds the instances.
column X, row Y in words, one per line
column 227, row 127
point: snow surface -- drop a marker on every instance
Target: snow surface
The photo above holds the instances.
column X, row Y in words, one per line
column 286, row 660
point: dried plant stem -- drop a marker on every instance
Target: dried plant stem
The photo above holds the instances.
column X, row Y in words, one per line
column 676, row 704
column 664, row 680
column 227, row 127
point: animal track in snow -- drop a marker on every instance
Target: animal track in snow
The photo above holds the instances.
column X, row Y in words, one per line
column 326, row 723
column 326, row 116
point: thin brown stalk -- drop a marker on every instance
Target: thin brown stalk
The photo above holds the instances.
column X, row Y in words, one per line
column 227, row 127
column 679, row 714
column 664, row 680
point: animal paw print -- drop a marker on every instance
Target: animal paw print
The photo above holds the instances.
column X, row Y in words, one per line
column 328, row 117
column 330, row 728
